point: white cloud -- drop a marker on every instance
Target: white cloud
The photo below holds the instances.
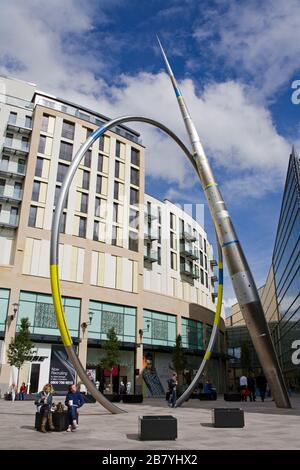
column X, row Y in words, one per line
column 238, row 134
column 259, row 39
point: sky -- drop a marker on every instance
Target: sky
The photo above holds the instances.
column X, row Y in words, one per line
column 235, row 62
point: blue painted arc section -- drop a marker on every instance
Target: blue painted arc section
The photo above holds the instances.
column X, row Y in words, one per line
column 177, row 92
column 230, row 243
column 221, row 276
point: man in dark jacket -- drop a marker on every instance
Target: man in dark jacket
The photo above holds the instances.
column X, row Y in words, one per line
column 74, row 400
column 251, row 387
column 261, row 384
column 172, row 384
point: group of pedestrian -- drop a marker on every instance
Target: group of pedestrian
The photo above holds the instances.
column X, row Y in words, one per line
column 248, row 385
column 13, row 392
column 74, row 400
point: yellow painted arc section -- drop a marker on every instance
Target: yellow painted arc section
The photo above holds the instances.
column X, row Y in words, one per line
column 207, row 355
column 58, row 307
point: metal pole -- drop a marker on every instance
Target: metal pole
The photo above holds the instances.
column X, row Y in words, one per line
column 239, row 270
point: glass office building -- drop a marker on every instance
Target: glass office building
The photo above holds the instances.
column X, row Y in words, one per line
column 286, row 267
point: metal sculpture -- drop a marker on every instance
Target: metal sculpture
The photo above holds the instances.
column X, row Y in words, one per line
column 54, row 261
column 239, row 270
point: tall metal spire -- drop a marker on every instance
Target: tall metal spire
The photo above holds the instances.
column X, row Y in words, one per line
column 239, row 270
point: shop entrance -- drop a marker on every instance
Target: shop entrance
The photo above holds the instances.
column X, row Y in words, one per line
column 34, row 377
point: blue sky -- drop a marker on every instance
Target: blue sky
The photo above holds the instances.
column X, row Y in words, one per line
column 235, row 61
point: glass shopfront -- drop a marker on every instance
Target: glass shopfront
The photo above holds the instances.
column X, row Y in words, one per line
column 159, row 328
column 106, row 316
column 192, row 333
column 39, row 309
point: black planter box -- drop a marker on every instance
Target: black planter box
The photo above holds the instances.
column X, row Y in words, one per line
column 232, row 397
column 207, row 396
column 60, row 421
column 228, row 418
column 113, row 398
column 132, row 398
column 157, row 428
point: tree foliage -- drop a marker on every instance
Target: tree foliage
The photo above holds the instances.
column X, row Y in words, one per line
column 179, row 360
column 112, row 352
column 20, row 346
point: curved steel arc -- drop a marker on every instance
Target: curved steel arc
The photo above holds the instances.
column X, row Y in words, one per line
column 54, row 249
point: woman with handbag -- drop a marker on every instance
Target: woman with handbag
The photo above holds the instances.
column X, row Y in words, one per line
column 44, row 406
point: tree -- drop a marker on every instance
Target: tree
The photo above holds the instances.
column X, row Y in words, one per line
column 112, row 357
column 20, row 347
column 179, row 361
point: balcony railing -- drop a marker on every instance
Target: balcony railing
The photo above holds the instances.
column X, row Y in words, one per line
column 151, row 236
column 15, row 196
column 214, row 279
column 12, row 221
column 213, row 263
column 188, row 236
column 150, row 215
column 24, row 126
column 15, row 147
column 192, row 253
column 17, row 102
column 12, row 169
column 151, row 256
column 188, row 271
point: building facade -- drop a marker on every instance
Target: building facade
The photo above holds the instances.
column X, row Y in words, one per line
column 127, row 260
column 281, row 294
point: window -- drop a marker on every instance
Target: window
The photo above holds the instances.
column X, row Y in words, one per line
column 61, row 172
column 56, row 196
column 18, row 190
column 36, row 191
column 65, row 151
column 68, row 130
column 32, row 216
column 202, row 276
column 206, row 280
column 45, row 123
column 24, row 143
column 99, row 184
column 159, row 215
column 118, row 148
column 159, row 235
column 28, row 122
column 159, row 255
column 205, row 262
column 173, row 240
column 114, row 235
column 89, row 133
column 97, row 206
column 135, row 157
column 84, row 203
column 87, row 159
column 96, row 231
column 115, row 212
column 82, row 227
column 42, row 144
column 201, row 258
column 116, row 190
column 12, row 118
column 133, row 242
column 134, row 197
column 173, row 260
column 2, row 186
column 117, row 169
column 172, row 221
column 134, row 176
column 100, row 163
column 86, row 180
column 101, row 143
column 204, row 245
column 21, row 166
column 13, row 216
column 134, row 218
column 4, row 162
column 39, row 166
column 9, row 139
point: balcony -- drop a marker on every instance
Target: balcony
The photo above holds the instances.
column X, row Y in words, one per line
column 150, row 215
column 186, row 270
column 15, row 147
column 9, row 221
column 151, row 236
column 14, row 196
column 188, row 236
column 12, row 169
column 214, row 279
column 189, row 252
column 213, row 263
column 214, row 296
column 23, row 126
column 151, row 256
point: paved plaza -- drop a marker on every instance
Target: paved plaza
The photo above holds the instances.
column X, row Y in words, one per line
column 266, row 427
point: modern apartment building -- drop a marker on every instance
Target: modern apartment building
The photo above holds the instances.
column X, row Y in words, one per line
column 281, row 293
column 127, row 260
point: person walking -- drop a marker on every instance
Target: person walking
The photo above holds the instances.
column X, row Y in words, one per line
column 74, row 401
column 23, row 391
column 172, row 384
column 44, row 406
column 243, row 387
column 12, row 391
column 251, row 387
column 261, row 384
